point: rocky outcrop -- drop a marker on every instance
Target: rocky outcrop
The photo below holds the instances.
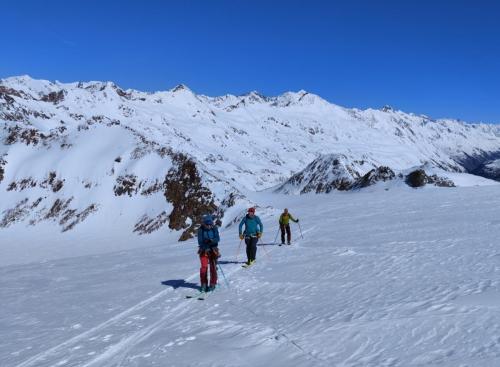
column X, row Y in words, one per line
column 378, row 174
column 126, row 185
column 51, row 182
column 53, row 97
column 440, row 181
column 337, row 172
column 419, row 178
column 147, row 225
column 187, row 194
column 30, row 136
column 323, row 175
column 3, row 163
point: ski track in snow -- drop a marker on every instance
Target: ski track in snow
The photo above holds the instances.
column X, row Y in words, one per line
column 399, row 279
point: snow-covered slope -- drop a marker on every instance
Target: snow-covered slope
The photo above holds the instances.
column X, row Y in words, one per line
column 73, row 151
column 400, row 278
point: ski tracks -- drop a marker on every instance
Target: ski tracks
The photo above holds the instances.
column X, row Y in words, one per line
column 112, row 342
column 76, row 349
column 109, row 343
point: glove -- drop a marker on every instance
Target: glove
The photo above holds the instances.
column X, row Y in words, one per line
column 215, row 252
column 259, row 235
column 241, row 236
column 297, row 220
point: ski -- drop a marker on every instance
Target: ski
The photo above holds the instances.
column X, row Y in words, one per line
column 196, row 295
column 200, row 295
column 204, row 295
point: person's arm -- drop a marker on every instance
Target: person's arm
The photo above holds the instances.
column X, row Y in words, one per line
column 281, row 219
column 260, row 225
column 200, row 237
column 217, row 237
column 292, row 218
column 241, row 226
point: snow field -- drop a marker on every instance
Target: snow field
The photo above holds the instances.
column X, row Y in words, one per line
column 399, row 278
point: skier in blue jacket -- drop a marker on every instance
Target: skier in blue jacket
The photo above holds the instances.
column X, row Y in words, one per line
column 251, row 234
column 208, row 241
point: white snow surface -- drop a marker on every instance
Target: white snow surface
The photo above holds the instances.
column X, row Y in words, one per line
column 404, row 277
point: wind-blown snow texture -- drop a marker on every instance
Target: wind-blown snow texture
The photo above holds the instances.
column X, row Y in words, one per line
column 399, row 278
column 87, row 155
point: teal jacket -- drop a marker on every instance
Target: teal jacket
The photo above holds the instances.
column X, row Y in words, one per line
column 252, row 226
column 208, row 238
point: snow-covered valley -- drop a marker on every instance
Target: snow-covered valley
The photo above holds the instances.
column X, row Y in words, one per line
column 387, row 278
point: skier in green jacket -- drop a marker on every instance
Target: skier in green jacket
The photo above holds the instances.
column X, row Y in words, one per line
column 284, row 221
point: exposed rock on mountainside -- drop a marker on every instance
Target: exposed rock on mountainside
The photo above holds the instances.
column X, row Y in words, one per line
column 53, row 97
column 375, row 175
column 419, row 178
column 324, row 174
column 3, row 162
column 190, row 199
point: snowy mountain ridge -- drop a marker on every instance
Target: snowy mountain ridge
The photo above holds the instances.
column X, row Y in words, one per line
column 72, row 153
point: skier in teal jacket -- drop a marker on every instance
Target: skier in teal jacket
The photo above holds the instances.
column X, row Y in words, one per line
column 253, row 231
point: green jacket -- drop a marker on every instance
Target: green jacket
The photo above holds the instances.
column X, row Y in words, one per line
column 285, row 219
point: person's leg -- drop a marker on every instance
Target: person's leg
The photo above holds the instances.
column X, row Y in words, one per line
column 248, row 243
column 288, row 233
column 282, row 228
column 213, row 271
column 254, row 247
column 203, row 270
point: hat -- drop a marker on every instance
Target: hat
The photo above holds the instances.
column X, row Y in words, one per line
column 207, row 219
column 251, row 210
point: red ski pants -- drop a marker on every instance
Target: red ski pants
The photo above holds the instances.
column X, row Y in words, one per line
column 206, row 261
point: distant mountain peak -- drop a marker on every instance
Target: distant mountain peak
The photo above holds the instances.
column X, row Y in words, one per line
column 180, row 88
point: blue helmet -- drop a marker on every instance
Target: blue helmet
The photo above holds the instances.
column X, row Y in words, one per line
column 208, row 220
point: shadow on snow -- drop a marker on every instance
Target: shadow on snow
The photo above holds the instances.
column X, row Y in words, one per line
column 180, row 283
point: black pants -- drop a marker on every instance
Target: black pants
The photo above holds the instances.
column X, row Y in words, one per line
column 285, row 227
column 251, row 243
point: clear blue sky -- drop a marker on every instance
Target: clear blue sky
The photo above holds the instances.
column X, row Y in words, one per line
column 441, row 58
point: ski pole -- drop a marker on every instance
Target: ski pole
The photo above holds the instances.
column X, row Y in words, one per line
column 265, row 251
column 276, row 237
column 300, row 231
column 223, row 275
column 238, row 252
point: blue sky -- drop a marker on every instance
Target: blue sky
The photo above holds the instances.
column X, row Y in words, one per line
column 441, row 58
